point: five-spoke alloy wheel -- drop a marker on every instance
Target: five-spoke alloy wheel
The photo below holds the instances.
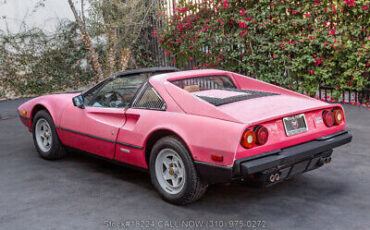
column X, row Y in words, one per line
column 173, row 172
column 45, row 137
column 170, row 171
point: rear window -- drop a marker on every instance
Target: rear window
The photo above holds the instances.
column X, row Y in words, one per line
column 218, row 90
column 205, row 83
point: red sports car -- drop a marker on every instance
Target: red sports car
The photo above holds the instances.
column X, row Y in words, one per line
column 190, row 129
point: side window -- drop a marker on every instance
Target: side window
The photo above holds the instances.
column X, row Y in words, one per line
column 149, row 99
column 116, row 93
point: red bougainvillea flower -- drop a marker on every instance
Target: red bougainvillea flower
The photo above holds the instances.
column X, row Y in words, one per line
column 183, row 10
column 180, row 27
column 244, row 32
column 225, row 4
column 310, row 71
column 220, row 21
column 318, row 61
column 243, row 25
column 307, row 15
column 349, row 2
column 242, row 12
column 249, row 19
column 331, row 32
column 365, row 7
column 317, row 2
column 295, row 12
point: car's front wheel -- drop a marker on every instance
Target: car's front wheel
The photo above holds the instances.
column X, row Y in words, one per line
column 173, row 173
column 45, row 137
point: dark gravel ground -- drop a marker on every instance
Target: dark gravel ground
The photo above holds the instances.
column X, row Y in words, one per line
column 81, row 192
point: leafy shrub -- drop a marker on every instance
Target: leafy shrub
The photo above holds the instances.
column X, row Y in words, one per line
column 295, row 44
column 33, row 62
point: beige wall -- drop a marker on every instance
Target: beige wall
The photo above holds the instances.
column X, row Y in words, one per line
column 17, row 11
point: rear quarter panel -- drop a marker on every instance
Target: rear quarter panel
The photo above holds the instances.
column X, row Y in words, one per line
column 202, row 135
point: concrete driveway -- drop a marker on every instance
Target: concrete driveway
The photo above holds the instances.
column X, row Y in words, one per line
column 81, row 192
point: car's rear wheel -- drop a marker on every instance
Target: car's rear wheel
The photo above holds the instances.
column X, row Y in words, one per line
column 45, row 137
column 173, row 173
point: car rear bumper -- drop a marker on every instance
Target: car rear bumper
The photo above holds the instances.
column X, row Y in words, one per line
column 286, row 162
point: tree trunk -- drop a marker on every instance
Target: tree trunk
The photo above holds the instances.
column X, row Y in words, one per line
column 87, row 40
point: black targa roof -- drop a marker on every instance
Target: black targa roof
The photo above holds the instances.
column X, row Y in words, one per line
column 154, row 70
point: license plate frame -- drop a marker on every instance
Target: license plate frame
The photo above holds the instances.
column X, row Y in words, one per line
column 294, row 125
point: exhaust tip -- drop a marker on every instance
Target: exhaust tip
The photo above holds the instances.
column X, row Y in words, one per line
column 277, row 177
column 328, row 160
column 320, row 162
column 274, row 177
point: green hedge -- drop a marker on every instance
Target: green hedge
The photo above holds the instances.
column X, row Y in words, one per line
column 295, row 44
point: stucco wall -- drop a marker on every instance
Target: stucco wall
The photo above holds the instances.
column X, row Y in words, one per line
column 14, row 12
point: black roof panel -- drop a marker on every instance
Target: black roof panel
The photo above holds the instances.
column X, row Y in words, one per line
column 157, row 70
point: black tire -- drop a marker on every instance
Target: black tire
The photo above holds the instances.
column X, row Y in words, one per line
column 193, row 188
column 56, row 150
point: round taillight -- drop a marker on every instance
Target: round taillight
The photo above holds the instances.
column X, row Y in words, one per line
column 248, row 139
column 328, row 118
column 262, row 135
column 338, row 116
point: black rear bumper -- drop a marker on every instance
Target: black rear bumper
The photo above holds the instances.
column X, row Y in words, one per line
column 286, row 162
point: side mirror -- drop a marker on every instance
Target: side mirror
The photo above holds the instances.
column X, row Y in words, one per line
column 78, row 101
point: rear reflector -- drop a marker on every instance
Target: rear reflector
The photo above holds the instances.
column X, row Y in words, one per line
column 262, row 135
column 328, row 118
column 248, row 139
column 338, row 116
column 217, row 157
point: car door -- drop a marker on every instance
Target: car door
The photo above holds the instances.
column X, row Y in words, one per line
column 149, row 105
column 92, row 129
column 95, row 127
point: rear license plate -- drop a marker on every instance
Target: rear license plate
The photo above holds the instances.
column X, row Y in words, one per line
column 295, row 124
